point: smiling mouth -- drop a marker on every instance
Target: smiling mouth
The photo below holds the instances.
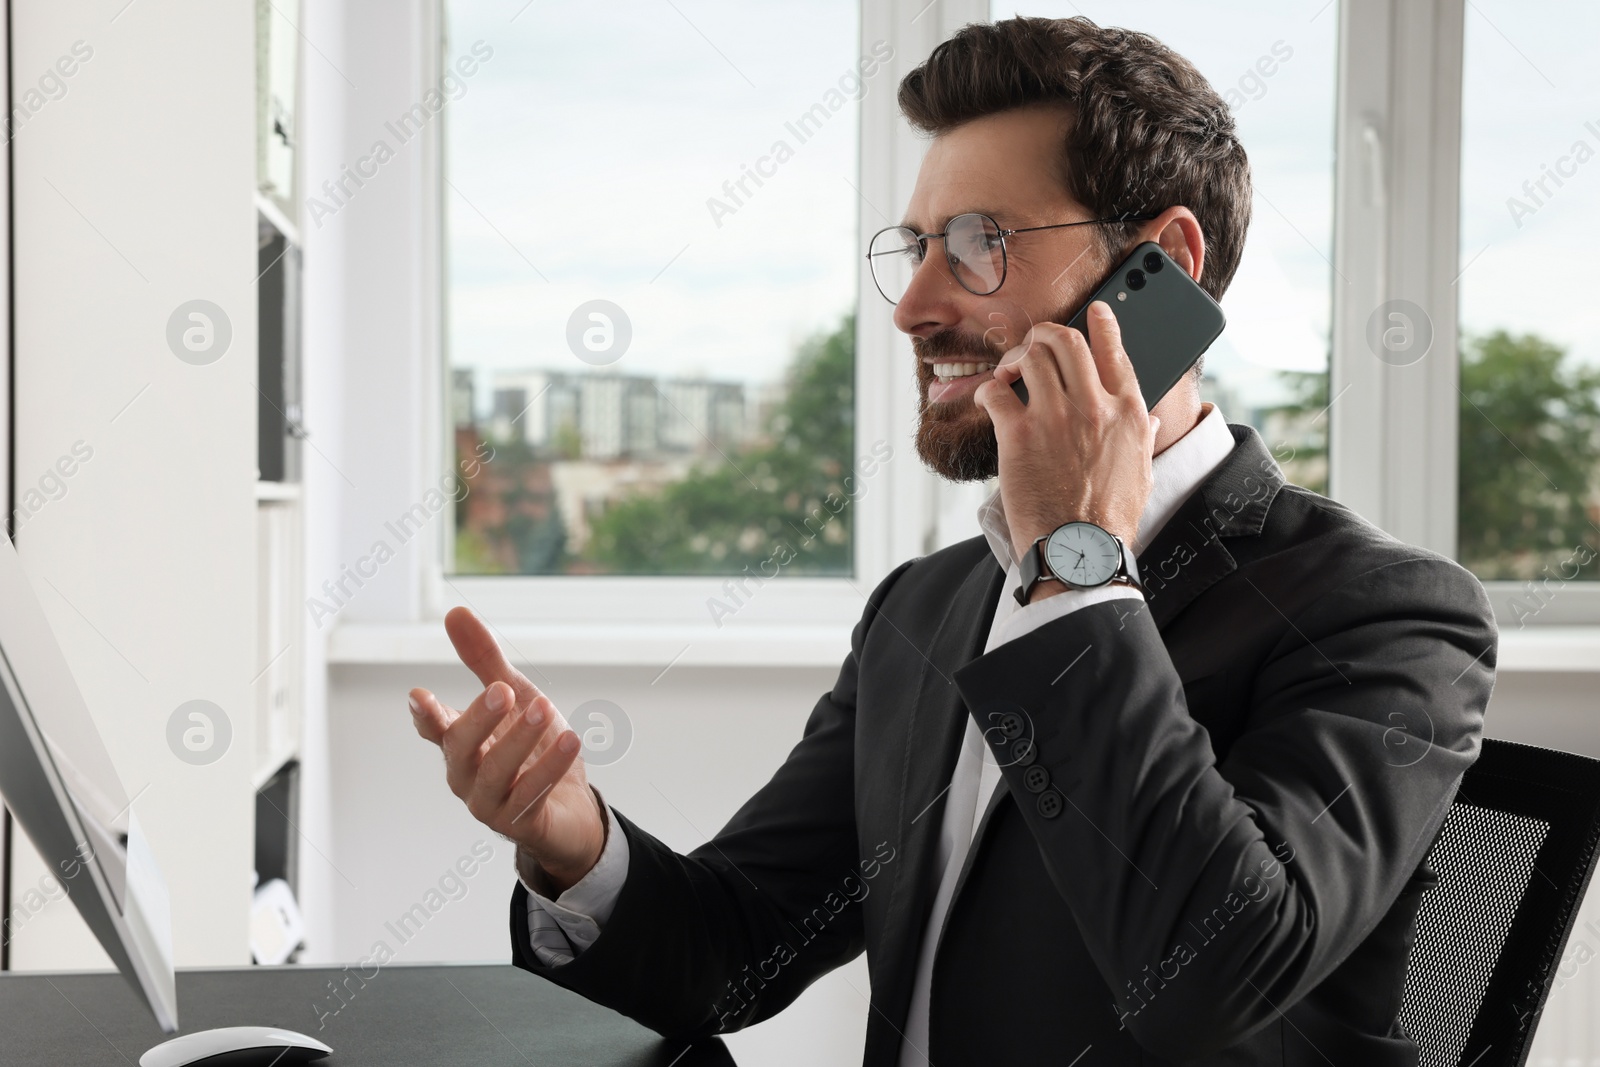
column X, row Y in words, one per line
column 946, row 373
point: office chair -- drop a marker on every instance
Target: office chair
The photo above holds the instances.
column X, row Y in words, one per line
column 1514, row 859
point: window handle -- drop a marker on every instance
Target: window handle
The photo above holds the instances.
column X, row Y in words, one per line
column 1372, row 141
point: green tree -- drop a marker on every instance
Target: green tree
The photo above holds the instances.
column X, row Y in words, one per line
column 782, row 504
column 1530, row 452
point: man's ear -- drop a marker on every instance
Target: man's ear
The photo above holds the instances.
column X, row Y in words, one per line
column 1177, row 231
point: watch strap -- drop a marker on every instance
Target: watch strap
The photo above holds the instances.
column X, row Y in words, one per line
column 1033, row 569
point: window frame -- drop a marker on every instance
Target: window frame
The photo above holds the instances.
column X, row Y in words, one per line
column 895, row 514
column 1396, row 189
column 1396, row 219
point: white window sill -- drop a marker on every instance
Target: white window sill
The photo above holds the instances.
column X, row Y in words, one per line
column 1550, row 648
column 1536, row 648
column 604, row 644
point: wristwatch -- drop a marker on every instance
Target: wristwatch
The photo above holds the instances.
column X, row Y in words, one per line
column 1080, row 554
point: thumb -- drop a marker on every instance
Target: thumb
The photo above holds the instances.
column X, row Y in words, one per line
column 428, row 715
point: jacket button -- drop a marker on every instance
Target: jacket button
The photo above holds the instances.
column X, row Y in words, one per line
column 1036, row 778
column 1049, row 804
column 1023, row 752
column 1011, row 725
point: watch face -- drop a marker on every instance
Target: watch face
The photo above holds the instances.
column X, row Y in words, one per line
column 1082, row 554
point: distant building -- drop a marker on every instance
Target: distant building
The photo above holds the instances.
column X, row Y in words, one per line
column 617, row 416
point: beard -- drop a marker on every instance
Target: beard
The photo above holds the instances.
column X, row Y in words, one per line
column 955, row 438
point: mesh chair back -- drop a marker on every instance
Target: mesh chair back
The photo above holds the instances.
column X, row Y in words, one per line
column 1514, row 858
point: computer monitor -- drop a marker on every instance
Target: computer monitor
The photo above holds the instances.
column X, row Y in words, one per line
column 60, row 783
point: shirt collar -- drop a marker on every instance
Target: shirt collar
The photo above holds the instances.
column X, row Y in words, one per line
column 1177, row 472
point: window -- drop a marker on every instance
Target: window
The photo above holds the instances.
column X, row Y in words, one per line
column 693, row 424
column 1275, row 68
column 1529, row 324
column 651, row 277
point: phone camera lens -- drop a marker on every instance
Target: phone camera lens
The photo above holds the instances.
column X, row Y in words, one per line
column 1136, row 279
column 1152, row 261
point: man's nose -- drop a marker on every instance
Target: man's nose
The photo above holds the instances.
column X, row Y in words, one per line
column 927, row 297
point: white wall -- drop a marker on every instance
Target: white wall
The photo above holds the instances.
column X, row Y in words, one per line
column 1550, row 709
column 704, row 740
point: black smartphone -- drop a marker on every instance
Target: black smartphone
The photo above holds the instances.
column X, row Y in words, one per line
column 1167, row 320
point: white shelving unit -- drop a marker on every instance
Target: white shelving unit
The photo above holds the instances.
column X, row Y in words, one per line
column 278, row 634
column 280, row 519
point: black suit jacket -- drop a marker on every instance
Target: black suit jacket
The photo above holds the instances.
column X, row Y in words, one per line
column 1209, row 842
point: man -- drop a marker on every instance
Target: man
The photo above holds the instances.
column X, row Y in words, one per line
column 1186, row 822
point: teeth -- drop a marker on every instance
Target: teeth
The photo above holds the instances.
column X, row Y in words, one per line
column 947, row 372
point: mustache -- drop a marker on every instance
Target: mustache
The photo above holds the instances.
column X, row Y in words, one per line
column 949, row 343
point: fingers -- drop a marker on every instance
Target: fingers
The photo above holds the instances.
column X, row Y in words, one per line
column 505, row 758
column 1041, row 362
column 1040, row 356
column 528, row 794
column 429, row 716
column 997, row 397
column 463, row 740
column 1032, row 362
column 1110, row 358
column 1094, row 370
column 1070, row 353
column 481, row 653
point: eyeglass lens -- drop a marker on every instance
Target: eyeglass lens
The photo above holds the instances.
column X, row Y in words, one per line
column 973, row 248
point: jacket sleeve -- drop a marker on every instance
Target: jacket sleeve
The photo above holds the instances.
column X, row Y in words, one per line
column 733, row 932
column 1244, row 882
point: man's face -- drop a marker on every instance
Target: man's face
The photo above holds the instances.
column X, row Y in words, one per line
column 1007, row 166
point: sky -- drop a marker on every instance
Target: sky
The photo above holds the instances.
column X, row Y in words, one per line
column 592, row 141
column 583, row 153
column 1531, row 92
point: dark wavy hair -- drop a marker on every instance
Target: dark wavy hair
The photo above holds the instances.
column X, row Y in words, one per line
column 1147, row 131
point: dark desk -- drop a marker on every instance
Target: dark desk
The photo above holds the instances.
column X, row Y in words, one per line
column 403, row 1015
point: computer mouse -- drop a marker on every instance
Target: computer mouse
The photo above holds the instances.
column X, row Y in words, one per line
column 236, row 1046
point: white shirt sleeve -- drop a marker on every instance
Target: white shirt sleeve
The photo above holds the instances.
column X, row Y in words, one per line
column 1030, row 617
column 559, row 929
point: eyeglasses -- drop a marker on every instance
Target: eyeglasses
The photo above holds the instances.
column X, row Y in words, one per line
column 974, row 245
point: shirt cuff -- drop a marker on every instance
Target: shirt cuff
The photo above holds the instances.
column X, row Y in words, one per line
column 1030, row 617
column 565, row 926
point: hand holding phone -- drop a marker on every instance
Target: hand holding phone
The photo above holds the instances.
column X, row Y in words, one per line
column 1167, row 320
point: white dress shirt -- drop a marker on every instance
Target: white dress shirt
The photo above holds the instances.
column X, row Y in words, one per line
column 565, row 926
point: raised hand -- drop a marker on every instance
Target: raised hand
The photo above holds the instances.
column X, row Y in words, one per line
column 513, row 761
column 1081, row 447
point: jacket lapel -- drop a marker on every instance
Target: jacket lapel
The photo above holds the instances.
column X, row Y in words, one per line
column 935, row 723
column 1188, row 556
column 1231, row 503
